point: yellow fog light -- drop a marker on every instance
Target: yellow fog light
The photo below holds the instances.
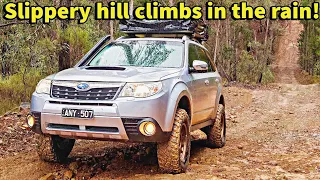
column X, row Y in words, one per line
column 147, row 128
column 30, row 121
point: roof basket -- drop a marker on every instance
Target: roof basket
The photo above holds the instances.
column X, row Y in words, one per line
column 196, row 29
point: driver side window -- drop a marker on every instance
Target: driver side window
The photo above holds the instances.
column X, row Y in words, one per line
column 198, row 53
column 193, row 54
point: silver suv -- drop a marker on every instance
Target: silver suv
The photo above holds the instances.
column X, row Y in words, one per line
column 132, row 89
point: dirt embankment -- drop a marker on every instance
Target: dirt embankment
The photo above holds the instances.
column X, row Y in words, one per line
column 287, row 55
column 273, row 133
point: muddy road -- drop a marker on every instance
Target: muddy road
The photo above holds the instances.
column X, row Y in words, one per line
column 273, row 133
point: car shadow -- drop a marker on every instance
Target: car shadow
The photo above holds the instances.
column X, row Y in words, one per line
column 119, row 160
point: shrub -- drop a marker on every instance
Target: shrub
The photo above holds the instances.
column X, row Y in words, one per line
column 17, row 88
column 267, row 76
column 249, row 69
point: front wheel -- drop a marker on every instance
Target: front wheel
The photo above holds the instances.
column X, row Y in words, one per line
column 216, row 133
column 173, row 156
column 54, row 148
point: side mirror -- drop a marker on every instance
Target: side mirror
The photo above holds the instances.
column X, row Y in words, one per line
column 200, row 66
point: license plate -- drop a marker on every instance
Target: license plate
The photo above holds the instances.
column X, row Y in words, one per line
column 77, row 113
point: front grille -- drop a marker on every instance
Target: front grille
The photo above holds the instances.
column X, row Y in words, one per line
column 87, row 128
column 63, row 126
column 102, row 129
column 81, row 104
column 91, row 94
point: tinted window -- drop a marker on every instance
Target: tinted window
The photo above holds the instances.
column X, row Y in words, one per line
column 142, row 53
column 211, row 62
column 193, row 54
column 204, row 56
column 198, row 53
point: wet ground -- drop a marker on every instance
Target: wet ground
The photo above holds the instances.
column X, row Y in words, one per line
column 273, row 133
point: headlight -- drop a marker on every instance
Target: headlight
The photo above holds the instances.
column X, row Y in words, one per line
column 141, row 90
column 44, row 87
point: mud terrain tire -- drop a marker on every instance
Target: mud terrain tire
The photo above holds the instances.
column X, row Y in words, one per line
column 173, row 156
column 54, row 148
column 216, row 133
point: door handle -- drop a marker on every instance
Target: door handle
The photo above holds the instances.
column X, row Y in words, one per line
column 207, row 82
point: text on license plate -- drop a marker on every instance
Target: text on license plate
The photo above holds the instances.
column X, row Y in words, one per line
column 77, row 113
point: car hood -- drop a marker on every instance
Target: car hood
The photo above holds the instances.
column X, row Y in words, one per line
column 130, row 74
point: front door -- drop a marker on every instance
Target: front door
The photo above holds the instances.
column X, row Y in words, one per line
column 202, row 87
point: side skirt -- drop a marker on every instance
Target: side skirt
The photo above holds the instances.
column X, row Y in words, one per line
column 202, row 125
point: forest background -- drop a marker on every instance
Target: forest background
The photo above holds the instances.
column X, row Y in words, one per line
column 243, row 49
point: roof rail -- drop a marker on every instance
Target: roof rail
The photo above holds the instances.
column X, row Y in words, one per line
column 185, row 38
column 122, row 37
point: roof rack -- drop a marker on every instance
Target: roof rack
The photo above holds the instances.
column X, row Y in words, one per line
column 196, row 30
column 183, row 37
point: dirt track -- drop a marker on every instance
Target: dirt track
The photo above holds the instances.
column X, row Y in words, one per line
column 287, row 56
column 273, row 133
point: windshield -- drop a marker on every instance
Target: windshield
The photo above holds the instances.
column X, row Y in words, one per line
column 141, row 53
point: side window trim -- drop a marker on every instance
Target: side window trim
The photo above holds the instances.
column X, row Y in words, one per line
column 213, row 65
column 205, row 58
column 204, row 52
column 191, row 46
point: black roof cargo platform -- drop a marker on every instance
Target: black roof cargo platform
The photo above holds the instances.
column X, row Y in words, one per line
column 196, row 29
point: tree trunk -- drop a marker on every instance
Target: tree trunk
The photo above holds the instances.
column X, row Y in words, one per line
column 111, row 23
column 267, row 32
column 3, row 60
column 227, row 32
column 131, row 8
column 64, row 54
column 216, row 43
column 234, row 68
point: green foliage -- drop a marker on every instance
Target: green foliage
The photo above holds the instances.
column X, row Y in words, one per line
column 317, row 68
column 267, row 76
column 249, row 69
column 309, row 45
column 79, row 40
column 239, row 47
column 45, row 51
column 17, row 88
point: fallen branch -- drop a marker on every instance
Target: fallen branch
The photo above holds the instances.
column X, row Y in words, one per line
column 12, row 23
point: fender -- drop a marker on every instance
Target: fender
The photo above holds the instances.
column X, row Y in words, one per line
column 178, row 91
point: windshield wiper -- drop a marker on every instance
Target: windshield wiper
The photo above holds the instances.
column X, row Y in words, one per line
column 111, row 68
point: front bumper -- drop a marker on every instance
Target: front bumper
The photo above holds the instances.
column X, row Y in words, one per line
column 113, row 120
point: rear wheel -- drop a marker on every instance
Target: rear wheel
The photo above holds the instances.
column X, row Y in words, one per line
column 173, row 156
column 216, row 133
column 54, row 148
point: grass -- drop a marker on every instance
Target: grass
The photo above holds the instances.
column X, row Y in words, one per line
column 305, row 78
column 16, row 89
